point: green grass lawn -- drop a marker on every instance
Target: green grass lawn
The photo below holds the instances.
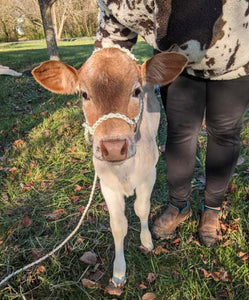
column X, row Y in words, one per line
column 45, row 165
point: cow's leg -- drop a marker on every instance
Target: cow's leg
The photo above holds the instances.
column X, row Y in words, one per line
column 116, row 206
column 142, row 208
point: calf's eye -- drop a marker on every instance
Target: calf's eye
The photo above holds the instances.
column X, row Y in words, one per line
column 136, row 92
column 84, row 95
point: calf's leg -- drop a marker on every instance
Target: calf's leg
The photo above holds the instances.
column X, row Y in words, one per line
column 142, row 208
column 116, row 206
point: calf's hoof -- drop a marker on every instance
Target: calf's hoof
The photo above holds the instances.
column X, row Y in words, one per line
column 117, row 282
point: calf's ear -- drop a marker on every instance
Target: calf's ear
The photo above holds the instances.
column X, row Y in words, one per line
column 57, row 77
column 163, row 68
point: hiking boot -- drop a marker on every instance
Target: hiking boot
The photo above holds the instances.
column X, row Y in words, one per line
column 209, row 227
column 164, row 227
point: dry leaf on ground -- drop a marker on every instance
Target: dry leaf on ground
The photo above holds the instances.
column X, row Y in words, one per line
column 176, row 241
column 75, row 198
column 97, row 275
column 40, row 269
column 18, row 143
column 149, row 296
column 160, row 249
column 13, row 170
column 27, row 186
column 88, row 283
column 151, row 277
column 143, row 286
column 112, row 290
column 56, row 214
column 89, row 258
column 26, row 222
column 77, row 187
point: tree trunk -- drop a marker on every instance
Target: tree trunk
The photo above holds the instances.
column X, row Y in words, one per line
column 45, row 7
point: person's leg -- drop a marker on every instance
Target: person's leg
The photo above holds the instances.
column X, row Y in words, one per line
column 184, row 103
column 227, row 102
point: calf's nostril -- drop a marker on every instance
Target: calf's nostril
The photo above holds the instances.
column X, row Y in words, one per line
column 124, row 148
column 104, row 151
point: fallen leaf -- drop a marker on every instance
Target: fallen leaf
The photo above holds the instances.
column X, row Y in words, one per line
column 27, row 186
column 205, row 273
column 44, row 113
column 77, row 187
column 151, row 277
column 89, row 258
column 197, row 243
column 245, row 257
column 224, row 276
column 245, row 142
column 149, row 296
column 160, row 249
column 40, row 269
column 81, row 209
column 75, row 198
column 97, row 275
column 88, row 283
column 1, row 242
column 143, row 286
column 176, row 241
column 18, row 143
column 112, row 290
column 26, row 222
column 190, row 239
column 204, row 260
column 216, row 276
column 67, row 249
column 55, row 214
column 13, row 170
column 227, row 243
column 231, row 188
column 46, row 132
column 36, row 253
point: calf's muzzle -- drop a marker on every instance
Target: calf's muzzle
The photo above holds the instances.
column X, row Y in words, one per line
column 114, row 150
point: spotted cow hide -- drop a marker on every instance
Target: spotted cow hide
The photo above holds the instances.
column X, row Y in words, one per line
column 213, row 34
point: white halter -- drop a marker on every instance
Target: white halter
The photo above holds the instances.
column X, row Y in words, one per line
column 89, row 130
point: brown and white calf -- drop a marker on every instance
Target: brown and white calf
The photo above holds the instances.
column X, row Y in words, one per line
column 124, row 153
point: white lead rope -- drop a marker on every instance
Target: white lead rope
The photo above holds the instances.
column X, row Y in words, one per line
column 61, row 244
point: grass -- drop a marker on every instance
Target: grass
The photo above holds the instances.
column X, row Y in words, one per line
column 54, row 164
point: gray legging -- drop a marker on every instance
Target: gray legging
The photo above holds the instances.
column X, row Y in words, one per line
column 185, row 101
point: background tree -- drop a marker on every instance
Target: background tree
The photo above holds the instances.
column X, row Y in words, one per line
column 21, row 20
column 46, row 14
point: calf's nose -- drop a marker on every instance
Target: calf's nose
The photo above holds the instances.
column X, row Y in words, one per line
column 114, row 150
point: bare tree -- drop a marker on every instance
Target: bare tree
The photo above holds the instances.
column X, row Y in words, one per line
column 46, row 7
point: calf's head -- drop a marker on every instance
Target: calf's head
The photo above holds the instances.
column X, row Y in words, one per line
column 111, row 82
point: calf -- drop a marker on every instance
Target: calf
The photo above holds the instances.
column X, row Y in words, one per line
column 122, row 113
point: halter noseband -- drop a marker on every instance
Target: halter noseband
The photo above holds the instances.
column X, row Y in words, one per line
column 89, row 130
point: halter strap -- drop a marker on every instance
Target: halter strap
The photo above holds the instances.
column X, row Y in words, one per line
column 89, row 130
